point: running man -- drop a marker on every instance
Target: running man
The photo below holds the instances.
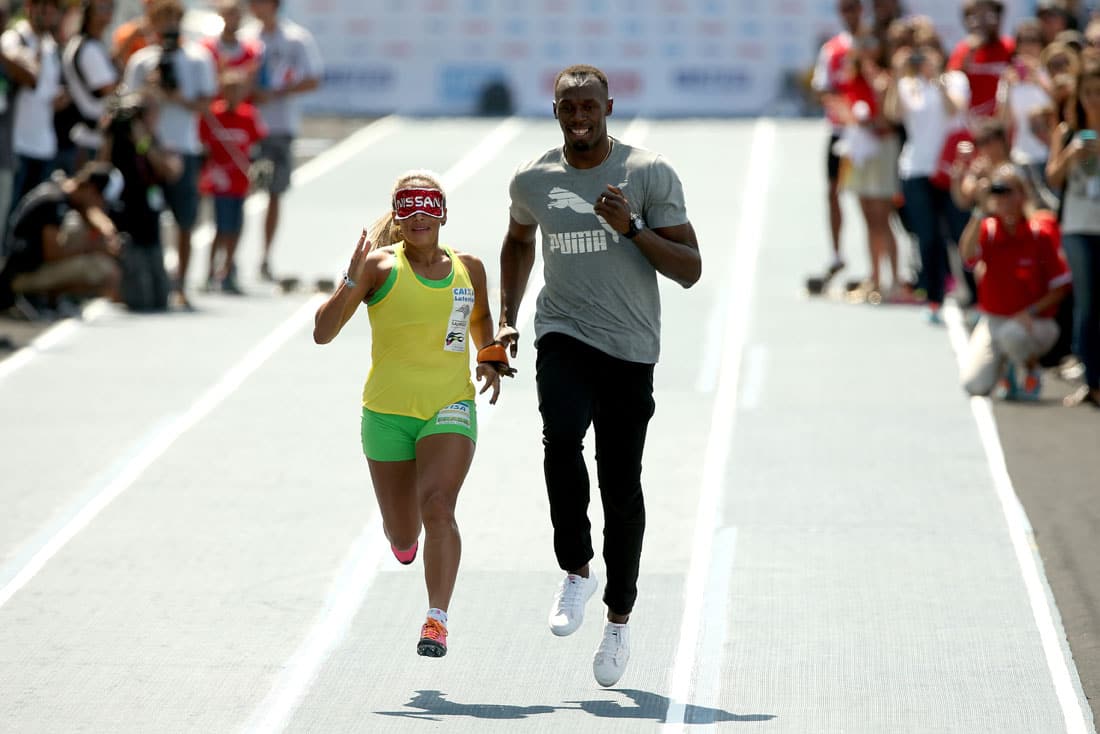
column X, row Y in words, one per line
column 612, row 217
column 419, row 422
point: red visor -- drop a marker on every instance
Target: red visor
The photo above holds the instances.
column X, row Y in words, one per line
column 407, row 202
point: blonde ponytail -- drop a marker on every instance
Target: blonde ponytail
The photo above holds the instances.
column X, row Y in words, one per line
column 384, row 232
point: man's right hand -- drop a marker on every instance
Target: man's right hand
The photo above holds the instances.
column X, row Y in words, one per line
column 509, row 337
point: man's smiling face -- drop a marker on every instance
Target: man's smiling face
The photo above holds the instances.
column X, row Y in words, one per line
column 581, row 106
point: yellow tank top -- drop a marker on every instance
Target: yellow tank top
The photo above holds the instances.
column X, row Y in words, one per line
column 419, row 329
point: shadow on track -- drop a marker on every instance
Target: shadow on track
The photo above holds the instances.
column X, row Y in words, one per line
column 433, row 706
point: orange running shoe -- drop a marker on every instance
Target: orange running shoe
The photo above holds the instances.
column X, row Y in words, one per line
column 433, row 639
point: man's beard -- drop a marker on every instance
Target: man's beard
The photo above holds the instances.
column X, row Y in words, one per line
column 580, row 146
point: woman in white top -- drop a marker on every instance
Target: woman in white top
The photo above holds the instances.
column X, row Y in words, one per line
column 1022, row 97
column 927, row 102
column 1074, row 167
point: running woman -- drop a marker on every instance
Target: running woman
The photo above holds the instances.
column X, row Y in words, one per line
column 419, row 426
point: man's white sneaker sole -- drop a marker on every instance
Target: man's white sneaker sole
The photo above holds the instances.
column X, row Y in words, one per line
column 567, row 611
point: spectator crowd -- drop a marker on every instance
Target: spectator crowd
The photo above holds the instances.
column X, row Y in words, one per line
column 100, row 136
column 987, row 156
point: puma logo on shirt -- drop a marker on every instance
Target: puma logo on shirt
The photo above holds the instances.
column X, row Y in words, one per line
column 578, row 242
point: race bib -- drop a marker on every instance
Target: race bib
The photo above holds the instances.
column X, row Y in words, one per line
column 457, row 414
column 461, row 308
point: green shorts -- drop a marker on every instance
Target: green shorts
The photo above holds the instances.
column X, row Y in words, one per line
column 389, row 437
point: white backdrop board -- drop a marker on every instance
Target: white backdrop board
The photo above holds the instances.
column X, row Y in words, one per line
column 664, row 57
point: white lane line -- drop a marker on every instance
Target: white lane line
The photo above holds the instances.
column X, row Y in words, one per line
column 740, row 279
column 312, row 169
column 160, row 443
column 349, row 591
column 756, row 368
column 52, row 337
column 1051, row 633
column 716, row 623
column 342, row 603
column 487, row 149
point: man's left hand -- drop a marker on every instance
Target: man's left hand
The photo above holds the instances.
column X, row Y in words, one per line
column 614, row 207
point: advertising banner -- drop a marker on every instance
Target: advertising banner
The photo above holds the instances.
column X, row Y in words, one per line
column 663, row 57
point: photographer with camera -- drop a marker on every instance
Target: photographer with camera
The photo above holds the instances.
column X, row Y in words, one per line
column 180, row 76
column 926, row 101
column 131, row 145
column 61, row 239
column 1024, row 277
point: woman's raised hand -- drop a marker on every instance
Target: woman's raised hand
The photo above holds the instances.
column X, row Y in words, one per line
column 357, row 268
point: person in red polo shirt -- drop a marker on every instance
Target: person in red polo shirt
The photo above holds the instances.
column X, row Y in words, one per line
column 1023, row 278
column 983, row 55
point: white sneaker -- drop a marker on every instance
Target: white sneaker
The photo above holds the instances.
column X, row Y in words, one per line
column 568, row 611
column 612, row 655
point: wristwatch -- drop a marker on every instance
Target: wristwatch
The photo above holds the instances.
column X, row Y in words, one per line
column 348, row 281
column 637, row 224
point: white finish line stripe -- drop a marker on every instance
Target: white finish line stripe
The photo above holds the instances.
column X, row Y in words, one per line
column 1048, row 622
column 360, row 568
column 160, row 443
column 747, row 242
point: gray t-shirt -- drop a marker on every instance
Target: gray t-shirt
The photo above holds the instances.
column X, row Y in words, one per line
column 290, row 56
column 599, row 287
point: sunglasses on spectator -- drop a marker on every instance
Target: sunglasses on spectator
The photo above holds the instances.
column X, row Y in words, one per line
column 1001, row 188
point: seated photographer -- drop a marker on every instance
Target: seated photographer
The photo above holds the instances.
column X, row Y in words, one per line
column 181, row 75
column 131, row 146
column 61, row 239
column 1024, row 276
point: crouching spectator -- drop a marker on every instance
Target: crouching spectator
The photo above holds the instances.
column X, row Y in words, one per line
column 61, row 241
column 1023, row 278
column 228, row 130
column 131, row 146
